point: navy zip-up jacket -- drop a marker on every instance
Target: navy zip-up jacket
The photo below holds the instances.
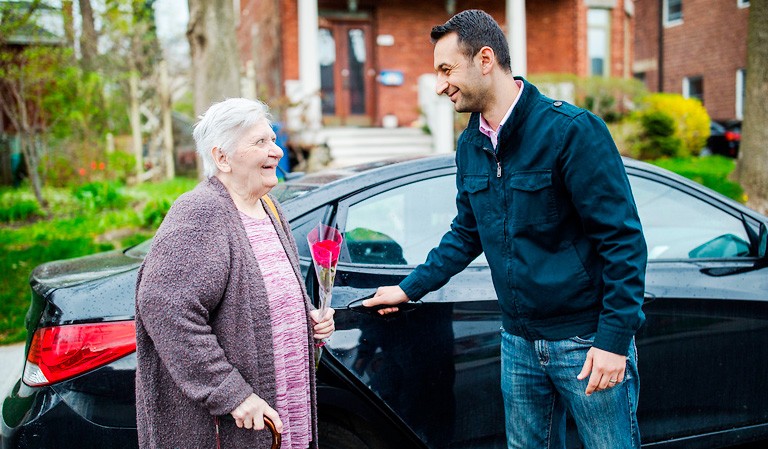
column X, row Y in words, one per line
column 553, row 210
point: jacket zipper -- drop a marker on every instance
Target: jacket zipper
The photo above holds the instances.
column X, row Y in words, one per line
column 495, row 158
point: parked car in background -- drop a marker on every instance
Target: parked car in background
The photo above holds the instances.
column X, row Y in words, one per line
column 428, row 376
column 724, row 139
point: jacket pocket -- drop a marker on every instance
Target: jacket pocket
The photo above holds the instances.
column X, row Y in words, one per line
column 476, row 187
column 475, row 183
column 533, row 198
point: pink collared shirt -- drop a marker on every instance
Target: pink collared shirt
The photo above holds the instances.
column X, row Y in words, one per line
column 486, row 129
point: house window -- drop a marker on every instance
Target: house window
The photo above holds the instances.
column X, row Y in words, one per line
column 599, row 41
column 693, row 87
column 741, row 80
column 673, row 12
column 742, row 3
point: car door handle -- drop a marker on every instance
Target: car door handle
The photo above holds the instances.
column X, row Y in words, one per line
column 648, row 297
column 357, row 306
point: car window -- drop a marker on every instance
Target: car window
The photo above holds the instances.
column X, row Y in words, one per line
column 680, row 226
column 400, row 226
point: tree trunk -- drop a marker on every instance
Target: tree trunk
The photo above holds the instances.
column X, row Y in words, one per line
column 167, row 124
column 69, row 23
column 88, row 39
column 136, row 125
column 752, row 165
column 215, row 56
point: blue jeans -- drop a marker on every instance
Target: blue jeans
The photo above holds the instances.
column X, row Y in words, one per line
column 538, row 382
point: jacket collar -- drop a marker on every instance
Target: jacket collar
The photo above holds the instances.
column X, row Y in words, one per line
column 513, row 123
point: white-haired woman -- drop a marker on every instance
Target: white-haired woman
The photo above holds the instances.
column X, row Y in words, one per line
column 223, row 323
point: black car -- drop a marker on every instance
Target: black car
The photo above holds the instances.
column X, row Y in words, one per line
column 724, row 139
column 428, row 376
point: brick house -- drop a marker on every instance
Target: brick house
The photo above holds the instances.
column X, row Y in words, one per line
column 697, row 48
column 366, row 56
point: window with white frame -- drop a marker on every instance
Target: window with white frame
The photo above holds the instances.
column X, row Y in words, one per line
column 741, row 79
column 673, row 12
column 599, row 41
column 693, row 87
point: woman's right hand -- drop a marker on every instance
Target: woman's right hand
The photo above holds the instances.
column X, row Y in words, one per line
column 250, row 414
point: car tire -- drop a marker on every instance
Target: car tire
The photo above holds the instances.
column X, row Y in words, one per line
column 352, row 435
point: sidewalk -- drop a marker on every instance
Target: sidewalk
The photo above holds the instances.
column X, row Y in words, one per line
column 11, row 365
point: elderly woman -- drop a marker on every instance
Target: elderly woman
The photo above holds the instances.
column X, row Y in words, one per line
column 223, row 323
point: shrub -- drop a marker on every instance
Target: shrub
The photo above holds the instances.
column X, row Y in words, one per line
column 657, row 137
column 154, row 212
column 609, row 98
column 690, row 118
column 121, row 165
column 100, row 195
column 13, row 210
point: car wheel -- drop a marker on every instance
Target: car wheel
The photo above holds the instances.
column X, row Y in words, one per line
column 352, row 435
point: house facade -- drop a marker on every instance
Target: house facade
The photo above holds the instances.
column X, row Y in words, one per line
column 366, row 57
column 697, row 48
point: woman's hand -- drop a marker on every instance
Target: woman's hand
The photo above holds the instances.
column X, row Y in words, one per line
column 250, row 414
column 324, row 326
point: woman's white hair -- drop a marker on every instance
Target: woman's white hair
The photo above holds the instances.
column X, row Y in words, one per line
column 222, row 126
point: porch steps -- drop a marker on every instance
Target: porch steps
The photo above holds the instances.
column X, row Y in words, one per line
column 350, row 146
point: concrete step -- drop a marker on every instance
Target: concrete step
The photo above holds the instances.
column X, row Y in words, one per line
column 349, row 146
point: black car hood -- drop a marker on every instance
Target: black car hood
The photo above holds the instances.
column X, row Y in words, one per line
column 66, row 273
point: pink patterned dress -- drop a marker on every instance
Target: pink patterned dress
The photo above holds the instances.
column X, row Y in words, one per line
column 289, row 332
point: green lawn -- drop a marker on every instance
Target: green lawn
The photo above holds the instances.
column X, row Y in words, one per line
column 711, row 171
column 84, row 221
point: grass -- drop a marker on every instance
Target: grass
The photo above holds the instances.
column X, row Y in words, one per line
column 78, row 225
column 710, row 171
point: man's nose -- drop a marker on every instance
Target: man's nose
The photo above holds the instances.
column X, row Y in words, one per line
column 441, row 85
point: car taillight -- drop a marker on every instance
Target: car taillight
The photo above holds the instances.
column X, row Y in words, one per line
column 732, row 136
column 62, row 352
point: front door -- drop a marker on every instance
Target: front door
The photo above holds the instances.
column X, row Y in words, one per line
column 346, row 72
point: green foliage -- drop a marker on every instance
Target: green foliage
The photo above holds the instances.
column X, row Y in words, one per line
column 658, row 136
column 100, row 195
column 72, row 231
column 609, row 98
column 711, row 171
column 690, row 117
column 17, row 205
column 154, row 212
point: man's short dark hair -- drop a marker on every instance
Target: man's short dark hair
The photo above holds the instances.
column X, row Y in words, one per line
column 476, row 29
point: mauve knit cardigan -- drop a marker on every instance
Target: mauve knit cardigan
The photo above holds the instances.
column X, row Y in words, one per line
column 203, row 330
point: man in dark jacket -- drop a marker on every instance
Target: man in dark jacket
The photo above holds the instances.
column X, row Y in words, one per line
column 543, row 192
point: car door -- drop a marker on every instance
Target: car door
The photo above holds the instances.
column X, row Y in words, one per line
column 703, row 351
column 436, row 364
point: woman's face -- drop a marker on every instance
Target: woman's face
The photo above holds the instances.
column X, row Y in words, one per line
column 254, row 161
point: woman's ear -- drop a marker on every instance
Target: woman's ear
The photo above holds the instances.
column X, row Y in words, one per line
column 221, row 160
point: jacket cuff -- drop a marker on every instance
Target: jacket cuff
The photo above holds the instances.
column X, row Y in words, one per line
column 413, row 288
column 613, row 340
column 230, row 394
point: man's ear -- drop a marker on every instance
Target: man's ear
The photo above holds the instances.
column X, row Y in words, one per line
column 487, row 59
column 221, row 160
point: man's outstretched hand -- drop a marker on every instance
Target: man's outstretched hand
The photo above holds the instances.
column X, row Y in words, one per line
column 389, row 297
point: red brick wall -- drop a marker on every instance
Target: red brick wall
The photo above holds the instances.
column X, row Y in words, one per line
column 552, row 35
column 556, row 38
column 711, row 42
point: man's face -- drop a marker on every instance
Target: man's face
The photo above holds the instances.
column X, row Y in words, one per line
column 458, row 77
